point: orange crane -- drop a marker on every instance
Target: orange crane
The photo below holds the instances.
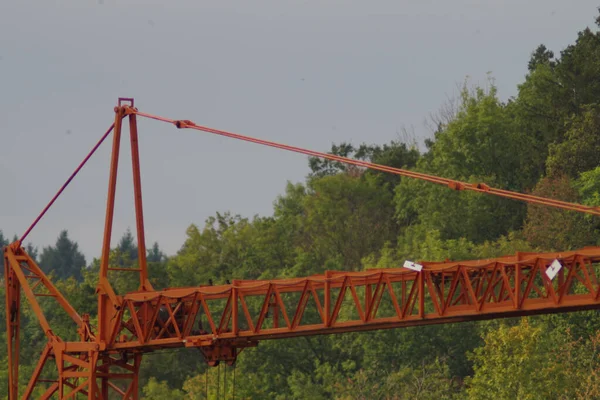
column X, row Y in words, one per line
column 222, row 320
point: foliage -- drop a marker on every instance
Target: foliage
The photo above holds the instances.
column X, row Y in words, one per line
column 63, row 259
column 3, row 242
column 479, row 145
column 155, row 390
column 553, row 229
column 521, row 362
column 579, row 150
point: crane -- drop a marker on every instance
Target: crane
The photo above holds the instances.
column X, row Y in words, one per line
column 222, row 320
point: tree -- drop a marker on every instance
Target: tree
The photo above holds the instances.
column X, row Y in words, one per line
column 155, row 390
column 528, row 361
column 64, row 259
column 3, row 242
column 511, row 365
column 426, row 381
column 579, row 150
column 127, row 248
column 394, row 154
column 552, row 229
column 541, row 56
column 479, row 145
column 588, row 186
column 555, row 92
column 348, row 218
column 228, row 247
column 155, row 254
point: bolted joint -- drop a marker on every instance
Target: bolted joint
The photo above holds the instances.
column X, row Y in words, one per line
column 456, row 185
column 125, row 110
column 128, row 110
column 186, row 123
column 481, row 186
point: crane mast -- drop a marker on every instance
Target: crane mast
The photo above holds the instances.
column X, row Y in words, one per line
column 222, row 320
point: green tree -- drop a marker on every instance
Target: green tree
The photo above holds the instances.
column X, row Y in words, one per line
column 555, row 92
column 426, row 381
column 552, row 229
column 511, row 365
column 528, row 361
column 394, row 154
column 155, row 390
column 541, row 56
column 227, row 247
column 155, row 254
column 348, row 218
column 63, row 259
column 3, row 242
column 479, row 145
column 588, row 186
column 579, row 151
column 127, row 248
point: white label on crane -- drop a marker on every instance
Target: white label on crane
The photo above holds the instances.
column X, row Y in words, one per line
column 412, row 265
column 553, row 269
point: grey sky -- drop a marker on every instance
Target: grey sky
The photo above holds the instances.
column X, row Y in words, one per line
column 306, row 73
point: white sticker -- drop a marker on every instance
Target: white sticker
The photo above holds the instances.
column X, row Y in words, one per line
column 553, row 269
column 413, row 266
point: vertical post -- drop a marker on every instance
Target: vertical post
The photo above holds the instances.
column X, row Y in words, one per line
column 275, row 308
column 112, row 189
column 137, row 193
column 60, row 366
column 105, row 369
column 135, row 382
column 421, row 279
column 105, row 304
column 234, row 309
column 13, row 322
column 327, row 296
column 518, row 284
column 92, row 387
column 368, row 298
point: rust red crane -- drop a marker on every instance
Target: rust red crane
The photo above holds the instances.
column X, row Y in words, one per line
column 222, row 320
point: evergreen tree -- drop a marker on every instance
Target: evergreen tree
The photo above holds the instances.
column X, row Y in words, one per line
column 63, row 259
column 127, row 248
column 155, row 254
column 3, row 242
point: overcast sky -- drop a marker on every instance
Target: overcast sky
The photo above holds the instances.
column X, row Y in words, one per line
column 308, row 73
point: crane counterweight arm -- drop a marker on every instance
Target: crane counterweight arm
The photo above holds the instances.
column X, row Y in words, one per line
column 450, row 183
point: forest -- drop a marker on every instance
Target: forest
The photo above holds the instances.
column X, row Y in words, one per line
column 544, row 140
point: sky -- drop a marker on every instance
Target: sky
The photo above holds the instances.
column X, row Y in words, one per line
column 305, row 73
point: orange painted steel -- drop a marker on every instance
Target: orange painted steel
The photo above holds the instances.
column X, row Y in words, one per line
column 245, row 312
column 222, row 320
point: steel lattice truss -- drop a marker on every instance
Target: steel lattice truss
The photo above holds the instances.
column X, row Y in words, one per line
column 222, row 320
column 244, row 312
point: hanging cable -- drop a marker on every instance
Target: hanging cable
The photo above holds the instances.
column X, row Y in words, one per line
column 233, row 396
column 225, row 381
column 206, row 382
column 218, row 379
